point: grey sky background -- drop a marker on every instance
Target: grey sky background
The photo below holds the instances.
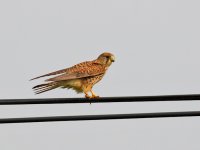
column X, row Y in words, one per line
column 156, row 43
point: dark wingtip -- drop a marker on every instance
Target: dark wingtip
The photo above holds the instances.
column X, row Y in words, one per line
column 38, row 77
column 34, row 78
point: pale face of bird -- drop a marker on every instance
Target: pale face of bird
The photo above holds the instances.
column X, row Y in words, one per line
column 106, row 59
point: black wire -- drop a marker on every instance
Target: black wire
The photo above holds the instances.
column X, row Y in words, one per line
column 101, row 100
column 100, row 117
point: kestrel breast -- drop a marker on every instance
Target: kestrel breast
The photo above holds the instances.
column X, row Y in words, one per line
column 91, row 81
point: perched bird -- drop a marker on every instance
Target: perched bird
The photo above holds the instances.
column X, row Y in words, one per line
column 81, row 77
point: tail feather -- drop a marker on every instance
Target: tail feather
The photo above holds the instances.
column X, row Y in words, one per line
column 45, row 87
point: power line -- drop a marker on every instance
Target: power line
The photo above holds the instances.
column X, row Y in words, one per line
column 100, row 117
column 162, row 98
column 100, row 100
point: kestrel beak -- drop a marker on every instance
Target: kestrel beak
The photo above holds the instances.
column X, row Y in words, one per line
column 112, row 58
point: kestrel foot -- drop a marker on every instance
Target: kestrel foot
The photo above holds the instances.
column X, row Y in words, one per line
column 88, row 96
column 94, row 95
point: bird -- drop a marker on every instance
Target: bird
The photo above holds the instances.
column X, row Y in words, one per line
column 80, row 77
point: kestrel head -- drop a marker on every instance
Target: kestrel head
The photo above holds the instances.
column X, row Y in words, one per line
column 106, row 58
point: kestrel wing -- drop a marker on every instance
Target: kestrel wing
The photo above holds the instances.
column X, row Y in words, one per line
column 53, row 73
column 81, row 72
column 67, row 70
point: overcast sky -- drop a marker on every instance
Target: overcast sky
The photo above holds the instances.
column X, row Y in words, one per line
column 156, row 44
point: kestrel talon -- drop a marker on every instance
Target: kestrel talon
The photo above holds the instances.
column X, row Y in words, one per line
column 81, row 77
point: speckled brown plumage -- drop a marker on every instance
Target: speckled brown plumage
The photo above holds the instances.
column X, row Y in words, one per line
column 81, row 77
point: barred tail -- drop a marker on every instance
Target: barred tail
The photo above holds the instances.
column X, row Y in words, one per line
column 45, row 87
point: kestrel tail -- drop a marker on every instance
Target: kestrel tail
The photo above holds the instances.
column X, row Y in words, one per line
column 81, row 77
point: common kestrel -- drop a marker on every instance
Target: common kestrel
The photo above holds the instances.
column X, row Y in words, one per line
column 81, row 77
